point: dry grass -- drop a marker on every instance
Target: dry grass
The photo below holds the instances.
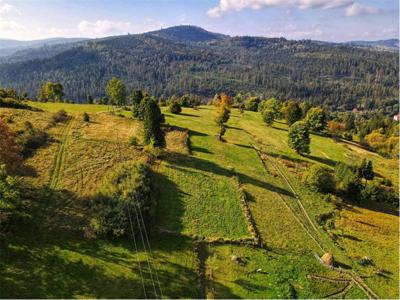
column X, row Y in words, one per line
column 369, row 232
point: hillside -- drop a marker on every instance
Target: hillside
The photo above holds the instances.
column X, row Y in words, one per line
column 10, row 47
column 230, row 219
column 188, row 59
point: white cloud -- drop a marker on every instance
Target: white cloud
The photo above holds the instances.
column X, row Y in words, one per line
column 352, row 8
column 6, row 8
column 104, row 27
column 238, row 5
column 357, row 9
column 7, row 25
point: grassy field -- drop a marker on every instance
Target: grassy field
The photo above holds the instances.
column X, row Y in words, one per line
column 199, row 192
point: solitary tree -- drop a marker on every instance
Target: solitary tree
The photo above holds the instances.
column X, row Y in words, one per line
column 274, row 105
column 51, row 91
column 292, row 112
column 316, row 119
column 299, row 137
column 175, row 108
column 366, row 170
column 223, row 114
column 136, row 98
column 89, row 99
column 152, row 121
column 116, row 90
column 268, row 116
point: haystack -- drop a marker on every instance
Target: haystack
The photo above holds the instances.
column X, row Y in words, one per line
column 328, row 259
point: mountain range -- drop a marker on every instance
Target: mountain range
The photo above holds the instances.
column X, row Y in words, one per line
column 189, row 59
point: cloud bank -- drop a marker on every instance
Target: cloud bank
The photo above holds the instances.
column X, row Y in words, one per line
column 351, row 8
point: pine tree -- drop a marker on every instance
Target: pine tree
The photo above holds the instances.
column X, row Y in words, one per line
column 152, row 121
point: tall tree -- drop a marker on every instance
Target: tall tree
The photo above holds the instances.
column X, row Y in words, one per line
column 292, row 112
column 116, row 90
column 316, row 119
column 299, row 137
column 51, row 91
column 152, row 122
column 223, row 114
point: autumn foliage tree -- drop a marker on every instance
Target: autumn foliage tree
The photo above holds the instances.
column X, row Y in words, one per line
column 335, row 128
column 223, row 114
column 10, row 151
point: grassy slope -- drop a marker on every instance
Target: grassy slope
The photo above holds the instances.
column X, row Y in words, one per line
column 363, row 231
column 48, row 257
column 60, row 263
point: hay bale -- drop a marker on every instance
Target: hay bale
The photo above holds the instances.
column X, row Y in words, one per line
column 328, row 259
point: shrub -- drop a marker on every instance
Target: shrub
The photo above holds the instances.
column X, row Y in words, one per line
column 86, row 117
column 268, row 117
column 125, row 191
column 251, row 104
column 175, row 108
column 9, row 197
column 376, row 193
column 12, row 103
column 319, row 179
column 133, row 141
column 60, row 117
column 10, row 151
column 348, row 179
column 31, row 138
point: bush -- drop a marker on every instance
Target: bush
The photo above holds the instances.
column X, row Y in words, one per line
column 319, row 179
column 31, row 138
column 9, row 197
column 125, row 191
column 252, row 104
column 348, row 179
column 376, row 193
column 268, row 117
column 60, row 117
column 10, row 154
column 133, row 141
column 86, row 117
column 175, row 108
column 12, row 103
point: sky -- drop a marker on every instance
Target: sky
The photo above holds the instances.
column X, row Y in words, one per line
column 327, row 20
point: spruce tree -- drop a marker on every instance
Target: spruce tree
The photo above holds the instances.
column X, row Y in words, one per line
column 152, row 121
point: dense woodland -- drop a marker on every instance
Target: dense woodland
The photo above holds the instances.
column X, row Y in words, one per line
column 168, row 63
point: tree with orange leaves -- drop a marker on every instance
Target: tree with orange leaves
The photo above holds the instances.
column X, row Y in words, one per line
column 10, row 151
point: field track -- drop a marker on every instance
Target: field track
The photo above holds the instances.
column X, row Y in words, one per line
column 356, row 279
column 60, row 155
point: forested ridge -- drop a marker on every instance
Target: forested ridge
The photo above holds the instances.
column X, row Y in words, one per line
column 334, row 75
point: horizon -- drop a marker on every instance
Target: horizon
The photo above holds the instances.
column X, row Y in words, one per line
column 191, row 25
column 320, row 20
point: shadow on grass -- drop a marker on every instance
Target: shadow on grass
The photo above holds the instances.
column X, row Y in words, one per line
column 46, row 256
column 208, row 166
column 200, row 149
column 189, row 115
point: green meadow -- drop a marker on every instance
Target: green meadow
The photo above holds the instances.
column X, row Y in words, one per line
column 198, row 202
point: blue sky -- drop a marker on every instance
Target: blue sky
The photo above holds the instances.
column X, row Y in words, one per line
column 329, row 20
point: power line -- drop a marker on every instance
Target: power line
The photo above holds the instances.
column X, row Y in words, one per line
column 145, row 249
column 136, row 248
column 151, row 253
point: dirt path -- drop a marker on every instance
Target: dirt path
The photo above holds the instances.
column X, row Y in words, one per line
column 60, row 156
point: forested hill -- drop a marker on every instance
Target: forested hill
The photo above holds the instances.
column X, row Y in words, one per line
column 189, row 59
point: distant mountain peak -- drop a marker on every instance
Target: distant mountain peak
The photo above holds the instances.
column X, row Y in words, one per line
column 187, row 34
